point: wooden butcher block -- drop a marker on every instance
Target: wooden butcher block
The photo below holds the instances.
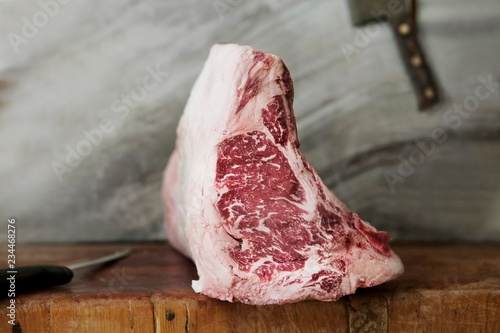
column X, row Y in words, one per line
column 446, row 288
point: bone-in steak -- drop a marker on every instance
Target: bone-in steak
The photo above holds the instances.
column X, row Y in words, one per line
column 244, row 204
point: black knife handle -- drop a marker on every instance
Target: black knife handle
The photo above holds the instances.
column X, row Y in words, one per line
column 28, row 278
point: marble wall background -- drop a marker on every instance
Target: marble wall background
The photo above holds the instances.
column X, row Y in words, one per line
column 73, row 67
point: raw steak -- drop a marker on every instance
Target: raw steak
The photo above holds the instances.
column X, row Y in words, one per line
column 244, row 204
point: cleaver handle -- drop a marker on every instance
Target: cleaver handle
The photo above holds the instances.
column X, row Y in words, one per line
column 422, row 79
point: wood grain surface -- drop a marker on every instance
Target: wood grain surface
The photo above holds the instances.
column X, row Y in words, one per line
column 446, row 288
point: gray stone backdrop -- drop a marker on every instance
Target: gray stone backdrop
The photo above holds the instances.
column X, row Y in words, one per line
column 110, row 79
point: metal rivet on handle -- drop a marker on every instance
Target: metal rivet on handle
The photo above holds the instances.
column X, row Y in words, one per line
column 416, row 61
column 428, row 93
column 404, row 29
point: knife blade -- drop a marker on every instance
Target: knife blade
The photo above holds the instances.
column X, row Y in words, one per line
column 30, row 278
